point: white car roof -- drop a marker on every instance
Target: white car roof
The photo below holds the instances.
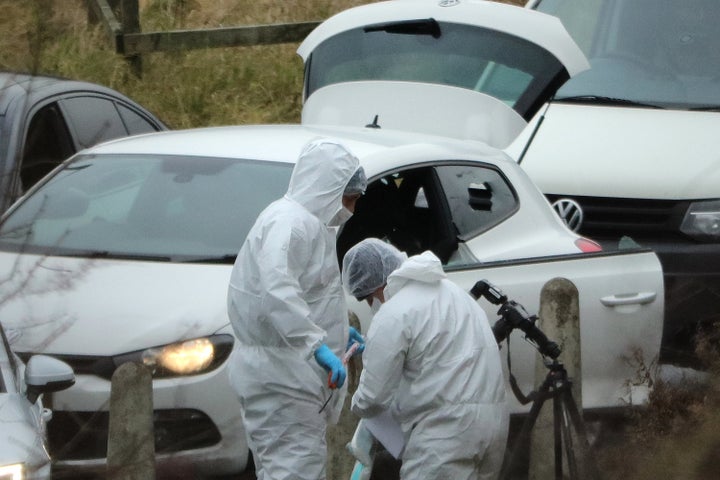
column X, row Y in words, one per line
column 283, row 143
column 544, row 30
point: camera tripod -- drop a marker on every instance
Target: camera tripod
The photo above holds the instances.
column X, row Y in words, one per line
column 566, row 417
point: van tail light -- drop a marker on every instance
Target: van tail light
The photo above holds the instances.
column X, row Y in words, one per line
column 587, row 246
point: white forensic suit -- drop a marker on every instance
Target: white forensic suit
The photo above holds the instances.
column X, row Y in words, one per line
column 432, row 358
column 285, row 299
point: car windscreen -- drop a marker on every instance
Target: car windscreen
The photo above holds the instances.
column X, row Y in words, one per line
column 662, row 53
column 172, row 208
column 503, row 66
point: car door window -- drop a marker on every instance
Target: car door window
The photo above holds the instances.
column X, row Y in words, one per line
column 478, row 197
column 47, row 143
column 405, row 208
column 134, row 122
column 93, row 120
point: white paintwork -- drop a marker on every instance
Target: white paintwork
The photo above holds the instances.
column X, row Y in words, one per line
column 42, row 370
column 610, row 337
column 620, row 152
column 418, row 107
column 117, row 306
column 541, row 29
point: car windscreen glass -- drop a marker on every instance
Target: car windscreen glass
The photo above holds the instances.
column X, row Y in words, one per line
column 658, row 53
column 501, row 65
column 146, row 206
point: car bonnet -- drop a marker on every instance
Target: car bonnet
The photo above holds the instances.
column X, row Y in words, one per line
column 108, row 307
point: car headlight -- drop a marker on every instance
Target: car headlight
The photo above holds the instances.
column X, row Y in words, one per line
column 12, row 472
column 702, row 221
column 189, row 357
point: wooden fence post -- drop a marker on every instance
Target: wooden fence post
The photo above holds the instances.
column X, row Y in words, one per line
column 130, row 19
column 560, row 321
column 131, row 439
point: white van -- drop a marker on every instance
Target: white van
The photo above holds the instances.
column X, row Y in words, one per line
column 630, row 146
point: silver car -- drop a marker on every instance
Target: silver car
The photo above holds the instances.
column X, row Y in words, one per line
column 23, row 436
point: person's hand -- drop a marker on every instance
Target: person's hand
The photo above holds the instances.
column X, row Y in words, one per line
column 332, row 364
column 355, row 337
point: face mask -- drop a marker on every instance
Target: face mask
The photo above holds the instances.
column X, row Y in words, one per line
column 375, row 305
column 342, row 216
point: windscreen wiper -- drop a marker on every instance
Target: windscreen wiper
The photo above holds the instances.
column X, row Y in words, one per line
column 428, row 26
column 707, row 108
column 601, row 100
column 214, row 259
column 116, row 255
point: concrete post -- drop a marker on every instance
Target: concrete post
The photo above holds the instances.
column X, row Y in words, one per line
column 131, row 440
column 560, row 321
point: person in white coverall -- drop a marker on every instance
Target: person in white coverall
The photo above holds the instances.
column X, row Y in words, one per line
column 431, row 357
column 288, row 311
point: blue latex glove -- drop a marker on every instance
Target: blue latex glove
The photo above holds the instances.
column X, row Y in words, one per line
column 355, row 337
column 330, row 362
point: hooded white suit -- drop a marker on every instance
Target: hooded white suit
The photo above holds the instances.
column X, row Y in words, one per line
column 285, row 299
column 432, row 358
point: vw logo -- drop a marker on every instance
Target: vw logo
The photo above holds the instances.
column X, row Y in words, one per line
column 570, row 212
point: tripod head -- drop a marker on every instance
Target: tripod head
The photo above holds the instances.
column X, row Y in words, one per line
column 512, row 316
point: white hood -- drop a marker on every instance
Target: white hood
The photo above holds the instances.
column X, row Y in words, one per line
column 108, row 307
column 627, row 152
column 321, row 173
column 423, row 268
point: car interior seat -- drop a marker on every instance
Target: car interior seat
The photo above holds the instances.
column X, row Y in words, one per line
column 378, row 214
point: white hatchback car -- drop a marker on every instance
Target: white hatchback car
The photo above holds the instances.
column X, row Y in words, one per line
column 604, row 148
column 124, row 253
column 23, row 434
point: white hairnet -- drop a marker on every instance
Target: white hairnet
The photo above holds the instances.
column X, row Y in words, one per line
column 357, row 183
column 368, row 264
column 320, row 175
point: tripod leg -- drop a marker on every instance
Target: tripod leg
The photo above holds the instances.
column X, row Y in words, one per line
column 577, row 421
column 568, row 440
column 510, row 461
column 558, row 436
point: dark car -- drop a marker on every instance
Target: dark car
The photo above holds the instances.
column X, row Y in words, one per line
column 44, row 120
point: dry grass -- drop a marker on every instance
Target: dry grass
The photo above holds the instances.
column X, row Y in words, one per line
column 188, row 89
column 677, row 435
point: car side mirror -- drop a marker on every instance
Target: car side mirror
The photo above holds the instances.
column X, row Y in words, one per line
column 480, row 196
column 47, row 374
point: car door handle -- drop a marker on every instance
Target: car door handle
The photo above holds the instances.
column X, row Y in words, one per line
column 629, row 299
